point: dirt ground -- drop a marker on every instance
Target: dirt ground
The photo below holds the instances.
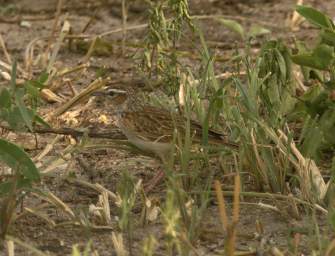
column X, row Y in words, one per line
column 104, row 166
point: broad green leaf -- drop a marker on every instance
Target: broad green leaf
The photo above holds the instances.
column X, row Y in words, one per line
column 32, row 89
column 328, row 37
column 26, row 115
column 15, row 119
column 5, row 99
column 321, row 57
column 281, row 64
column 256, row 30
column 233, row 26
column 5, row 187
column 315, row 17
column 15, row 157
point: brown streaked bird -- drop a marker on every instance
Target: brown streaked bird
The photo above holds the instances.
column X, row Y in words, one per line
column 150, row 128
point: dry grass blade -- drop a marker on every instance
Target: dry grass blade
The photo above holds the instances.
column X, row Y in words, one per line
column 97, row 187
column 47, row 149
column 311, row 178
column 222, row 206
column 67, row 71
column 231, row 232
column 331, row 249
column 236, row 208
column 95, row 85
column 294, row 208
column 118, row 244
column 27, row 246
column 57, row 162
column 4, row 49
column 43, row 216
column 103, row 199
column 10, row 248
column 56, row 201
column 296, row 18
column 261, row 165
column 276, row 252
column 50, row 96
column 230, row 229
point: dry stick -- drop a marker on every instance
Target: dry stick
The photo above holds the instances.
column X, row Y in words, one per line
column 53, row 30
column 73, row 69
column 65, row 30
column 90, row 50
column 234, row 17
column 118, row 30
column 3, row 46
column 111, row 134
column 124, row 25
column 277, row 196
column 19, row 19
column 88, row 23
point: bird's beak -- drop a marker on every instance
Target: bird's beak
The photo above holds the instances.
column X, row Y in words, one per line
column 98, row 93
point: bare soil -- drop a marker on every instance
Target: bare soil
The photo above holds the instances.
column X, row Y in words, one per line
column 104, row 166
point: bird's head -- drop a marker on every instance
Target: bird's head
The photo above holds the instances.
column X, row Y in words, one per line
column 115, row 98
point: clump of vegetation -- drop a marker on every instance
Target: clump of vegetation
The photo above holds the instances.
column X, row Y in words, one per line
column 281, row 126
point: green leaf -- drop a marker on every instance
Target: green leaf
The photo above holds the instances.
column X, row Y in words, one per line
column 43, row 78
column 26, row 115
column 256, row 30
column 6, row 187
column 15, row 118
column 16, row 158
column 321, row 57
column 233, row 26
column 5, row 99
column 32, row 89
column 40, row 120
column 13, row 76
column 315, row 17
column 328, row 37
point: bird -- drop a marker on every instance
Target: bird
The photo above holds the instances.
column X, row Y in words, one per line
column 149, row 128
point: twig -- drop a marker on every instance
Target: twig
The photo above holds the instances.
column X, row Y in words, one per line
column 111, row 134
column 3, row 46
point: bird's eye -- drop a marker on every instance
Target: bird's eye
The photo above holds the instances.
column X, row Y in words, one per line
column 111, row 93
